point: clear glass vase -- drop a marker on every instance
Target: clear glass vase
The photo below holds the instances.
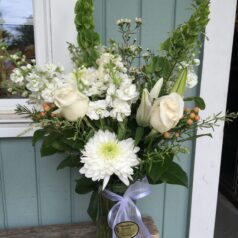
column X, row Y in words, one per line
column 105, row 205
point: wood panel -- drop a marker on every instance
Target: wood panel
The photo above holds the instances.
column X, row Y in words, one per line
column 19, row 181
column 54, row 192
column 176, row 197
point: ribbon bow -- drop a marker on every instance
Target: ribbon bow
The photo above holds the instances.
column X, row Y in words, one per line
column 126, row 210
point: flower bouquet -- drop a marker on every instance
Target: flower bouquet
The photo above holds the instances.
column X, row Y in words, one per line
column 120, row 116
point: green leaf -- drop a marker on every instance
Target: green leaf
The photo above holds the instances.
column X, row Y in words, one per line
column 85, row 185
column 199, row 102
column 93, row 206
column 71, row 162
column 38, row 135
column 157, row 168
column 121, row 130
column 46, row 147
column 139, row 134
column 47, row 150
column 175, row 175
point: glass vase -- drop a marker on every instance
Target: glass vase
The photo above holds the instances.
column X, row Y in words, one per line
column 105, row 205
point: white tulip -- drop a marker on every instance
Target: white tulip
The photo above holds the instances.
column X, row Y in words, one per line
column 166, row 112
column 143, row 111
column 155, row 91
column 73, row 104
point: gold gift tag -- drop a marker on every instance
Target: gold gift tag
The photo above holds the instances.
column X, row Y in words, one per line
column 126, row 229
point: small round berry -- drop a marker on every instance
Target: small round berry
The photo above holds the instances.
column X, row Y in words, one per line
column 46, row 107
column 52, row 105
column 177, row 135
column 166, row 135
column 189, row 122
column 42, row 114
column 197, row 118
column 53, row 115
column 196, row 109
column 186, row 109
column 192, row 115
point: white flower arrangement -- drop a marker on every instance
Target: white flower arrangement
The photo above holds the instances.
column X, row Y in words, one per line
column 118, row 121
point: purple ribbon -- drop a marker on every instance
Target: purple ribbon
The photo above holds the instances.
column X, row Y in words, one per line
column 126, row 210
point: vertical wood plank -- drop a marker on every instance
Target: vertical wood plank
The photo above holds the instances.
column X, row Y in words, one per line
column 158, row 20
column 3, row 215
column 54, row 190
column 117, row 10
column 100, row 18
column 19, row 179
column 177, row 197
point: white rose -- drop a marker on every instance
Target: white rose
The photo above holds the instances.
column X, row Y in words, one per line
column 72, row 103
column 166, row 112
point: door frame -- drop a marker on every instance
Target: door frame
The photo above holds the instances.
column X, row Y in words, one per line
column 214, row 89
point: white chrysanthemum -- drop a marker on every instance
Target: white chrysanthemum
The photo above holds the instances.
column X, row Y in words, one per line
column 104, row 155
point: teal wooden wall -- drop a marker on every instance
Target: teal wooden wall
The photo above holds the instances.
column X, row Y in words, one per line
column 33, row 193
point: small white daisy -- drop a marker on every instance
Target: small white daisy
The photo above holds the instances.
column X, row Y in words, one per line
column 104, row 155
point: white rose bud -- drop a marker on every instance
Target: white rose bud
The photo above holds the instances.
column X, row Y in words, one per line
column 166, row 112
column 73, row 104
column 143, row 111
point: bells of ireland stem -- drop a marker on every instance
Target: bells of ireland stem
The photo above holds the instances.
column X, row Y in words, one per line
column 155, row 91
column 180, row 83
column 143, row 111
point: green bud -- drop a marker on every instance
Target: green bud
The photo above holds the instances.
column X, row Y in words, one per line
column 180, row 83
column 143, row 111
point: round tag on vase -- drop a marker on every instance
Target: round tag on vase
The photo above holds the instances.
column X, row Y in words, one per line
column 126, row 229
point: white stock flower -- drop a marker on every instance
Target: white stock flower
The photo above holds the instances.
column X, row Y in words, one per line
column 97, row 110
column 17, row 76
column 72, row 104
column 192, row 79
column 127, row 92
column 104, row 155
column 121, row 109
column 166, row 112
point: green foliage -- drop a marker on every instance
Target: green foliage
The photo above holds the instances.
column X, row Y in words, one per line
column 182, row 46
column 93, row 206
column 87, row 38
column 199, row 102
column 72, row 161
column 184, row 41
column 85, row 185
column 165, row 170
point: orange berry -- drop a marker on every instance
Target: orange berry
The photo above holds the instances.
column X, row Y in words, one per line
column 177, row 135
column 52, row 105
column 197, row 118
column 192, row 115
column 42, row 114
column 46, row 107
column 186, row 109
column 189, row 122
column 196, row 109
column 166, row 135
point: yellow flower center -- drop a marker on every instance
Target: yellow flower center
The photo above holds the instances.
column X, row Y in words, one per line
column 109, row 150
